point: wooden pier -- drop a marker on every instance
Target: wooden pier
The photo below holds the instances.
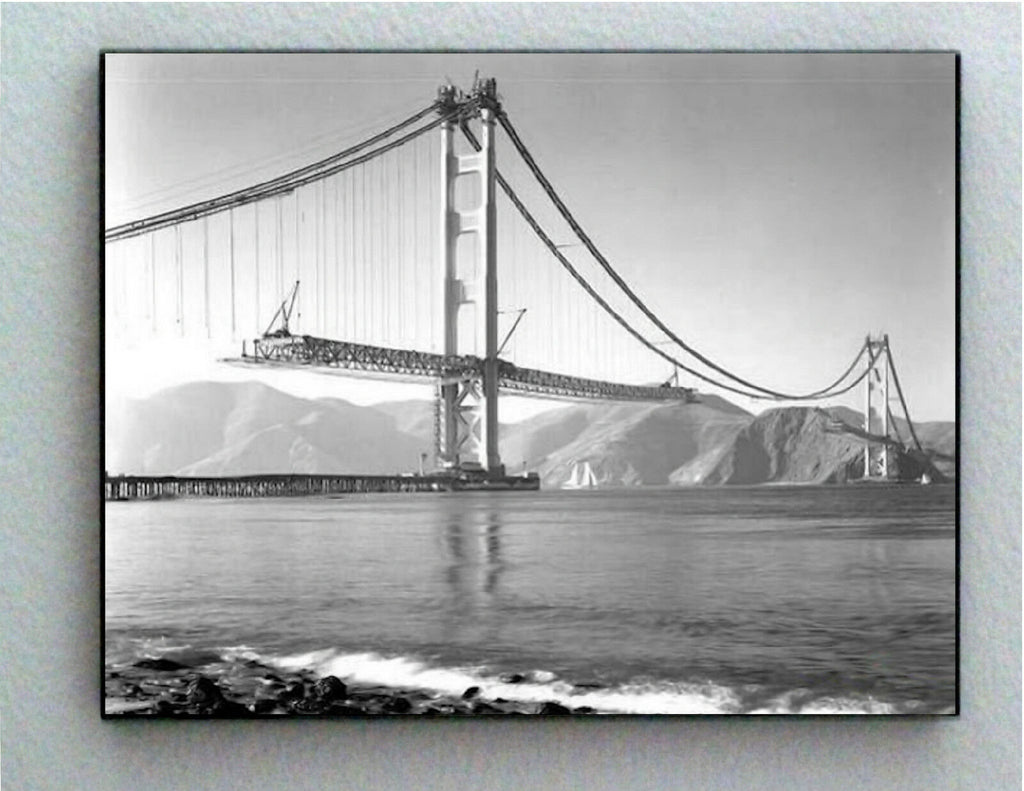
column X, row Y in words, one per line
column 142, row 487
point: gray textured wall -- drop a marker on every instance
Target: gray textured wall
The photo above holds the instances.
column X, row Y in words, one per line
column 52, row 736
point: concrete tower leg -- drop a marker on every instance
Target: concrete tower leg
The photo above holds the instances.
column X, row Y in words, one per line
column 446, row 429
column 885, row 406
column 468, row 430
column 867, row 411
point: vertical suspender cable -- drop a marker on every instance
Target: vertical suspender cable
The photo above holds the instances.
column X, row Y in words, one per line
column 152, row 280
column 321, row 274
column 415, row 248
column 181, row 279
column 317, row 282
column 369, row 214
column 386, row 246
column 339, row 268
column 231, row 258
column 256, row 258
column 279, row 251
column 378, row 240
column 206, row 274
column 378, row 223
column 298, row 260
column 334, row 230
column 323, row 256
column 384, row 250
column 396, row 254
column 321, row 228
column 403, row 266
column 366, row 306
column 321, row 221
column 351, row 313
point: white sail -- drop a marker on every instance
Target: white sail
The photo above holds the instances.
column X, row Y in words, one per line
column 582, row 477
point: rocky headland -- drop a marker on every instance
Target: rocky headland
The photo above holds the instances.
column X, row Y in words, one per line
column 166, row 688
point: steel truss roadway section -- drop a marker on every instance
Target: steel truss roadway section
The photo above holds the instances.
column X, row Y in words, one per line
column 310, row 351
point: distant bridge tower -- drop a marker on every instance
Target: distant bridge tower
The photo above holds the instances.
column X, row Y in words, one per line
column 467, row 431
column 876, row 459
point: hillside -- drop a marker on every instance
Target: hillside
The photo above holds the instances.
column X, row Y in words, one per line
column 799, row 445
column 640, row 444
column 210, row 428
column 788, row 445
column 213, row 428
column 938, row 438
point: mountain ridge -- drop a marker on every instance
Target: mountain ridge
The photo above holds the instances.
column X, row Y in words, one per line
column 223, row 429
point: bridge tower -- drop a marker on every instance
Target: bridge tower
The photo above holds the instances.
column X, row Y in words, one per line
column 467, row 430
column 876, row 460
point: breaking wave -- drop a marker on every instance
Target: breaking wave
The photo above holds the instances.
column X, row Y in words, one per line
column 401, row 672
column 538, row 686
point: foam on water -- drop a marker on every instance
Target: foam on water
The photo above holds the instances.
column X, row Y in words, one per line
column 537, row 687
column 788, row 704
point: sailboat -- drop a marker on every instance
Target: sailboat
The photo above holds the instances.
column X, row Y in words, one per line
column 582, row 477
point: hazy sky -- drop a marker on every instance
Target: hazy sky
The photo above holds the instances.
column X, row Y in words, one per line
column 773, row 209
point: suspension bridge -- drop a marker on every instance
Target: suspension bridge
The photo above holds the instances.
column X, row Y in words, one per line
column 384, row 260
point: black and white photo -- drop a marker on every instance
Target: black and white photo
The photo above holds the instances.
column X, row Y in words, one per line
column 529, row 384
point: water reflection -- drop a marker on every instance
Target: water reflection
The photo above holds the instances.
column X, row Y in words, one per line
column 473, row 567
column 493, row 545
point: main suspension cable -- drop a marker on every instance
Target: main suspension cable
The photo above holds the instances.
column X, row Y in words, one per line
column 895, row 428
column 520, row 147
column 899, row 392
column 289, row 181
column 553, row 249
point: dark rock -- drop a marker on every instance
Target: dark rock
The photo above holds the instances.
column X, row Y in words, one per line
column 512, row 678
column 262, row 706
column 294, row 691
column 329, row 689
column 201, row 691
column 164, row 708
column 398, row 706
column 583, row 710
column 588, row 685
column 160, row 664
column 308, row 706
column 342, row 710
column 485, row 708
column 471, row 693
column 553, row 708
column 228, row 708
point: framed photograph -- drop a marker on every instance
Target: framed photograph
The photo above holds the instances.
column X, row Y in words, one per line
column 530, row 384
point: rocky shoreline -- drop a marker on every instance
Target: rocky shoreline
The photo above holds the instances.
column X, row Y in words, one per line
column 165, row 688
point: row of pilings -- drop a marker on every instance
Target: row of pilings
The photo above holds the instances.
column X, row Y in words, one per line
column 166, row 487
column 137, row 487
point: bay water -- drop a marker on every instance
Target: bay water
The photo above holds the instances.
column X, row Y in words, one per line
column 835, row 599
